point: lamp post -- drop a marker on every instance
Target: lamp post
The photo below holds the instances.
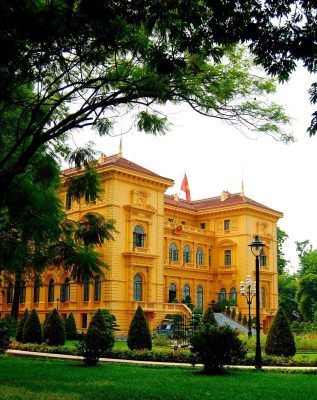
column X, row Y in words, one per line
column 257, row 249
column 247, row 291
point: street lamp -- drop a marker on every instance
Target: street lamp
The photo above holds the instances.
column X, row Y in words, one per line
column 257, row 249
column 247, row 291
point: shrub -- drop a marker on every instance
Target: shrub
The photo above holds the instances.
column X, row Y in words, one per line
column 209, row 317
column 233, row 313
column 196, row 318
column 239, row 317
column 223, row 304
column 139, row 336
column 70, row 328
column 54, row 329
column 280, row 339
column 4, row 336
column 32, row 331
column 216, row 346
column 110, row 320
column 244, row 320
column 97, row 341
column 19, row 334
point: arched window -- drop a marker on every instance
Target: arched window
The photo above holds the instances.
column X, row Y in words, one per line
column 22, row 292
column 10, row 293
column 86, row 290
column 137, row 288
column 36, row 291
column 222, row 294
column 199, row 256
column 138, row 236
column 186, row 292
column 262, row 297
column 200, row 297
column 51, row 291
column 173, row 252
column 97, row 288
column 186, row 254
column 233, row 296
column 65, row 291
column 172, row 293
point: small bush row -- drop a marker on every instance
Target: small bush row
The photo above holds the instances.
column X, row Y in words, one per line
column 179, row 356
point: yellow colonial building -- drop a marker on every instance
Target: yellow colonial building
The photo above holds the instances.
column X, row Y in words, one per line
column 165, row 250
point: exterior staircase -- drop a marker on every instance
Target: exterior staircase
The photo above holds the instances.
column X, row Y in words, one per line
column 223, row 319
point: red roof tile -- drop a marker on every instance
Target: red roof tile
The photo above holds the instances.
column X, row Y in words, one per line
column 215, row 203
column 115, row 160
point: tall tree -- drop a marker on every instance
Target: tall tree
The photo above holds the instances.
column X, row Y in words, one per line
column 306, row 293
column 281, row 261
column 87, row 62
column 287, row 286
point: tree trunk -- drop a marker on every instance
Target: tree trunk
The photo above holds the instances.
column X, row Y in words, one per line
column 16, row 296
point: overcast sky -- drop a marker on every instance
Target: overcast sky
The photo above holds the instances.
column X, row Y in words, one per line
column 217, row 157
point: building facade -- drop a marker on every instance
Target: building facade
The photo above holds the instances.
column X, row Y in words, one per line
column 166, row 249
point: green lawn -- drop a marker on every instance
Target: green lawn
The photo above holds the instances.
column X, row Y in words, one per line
column 40, row 379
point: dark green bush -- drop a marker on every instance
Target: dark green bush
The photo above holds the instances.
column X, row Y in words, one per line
column 233, row 313
column 70, row 328
column 19, row 334
column 216, row 346
column 245, row 320
column 54, row 329
column 139, row 336
column 280, row 339
column 209, row 317
column 4, row 336
column 239, row 317
column 32, row 331
column 97, row 341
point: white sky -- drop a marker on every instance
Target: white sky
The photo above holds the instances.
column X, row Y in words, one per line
column 217, row 157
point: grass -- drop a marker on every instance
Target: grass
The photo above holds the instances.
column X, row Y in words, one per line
column 29, row 379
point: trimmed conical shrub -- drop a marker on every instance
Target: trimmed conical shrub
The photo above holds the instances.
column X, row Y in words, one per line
column 209, row 317
column 139, row 336
column 70, row 328
column 98, row 320
column 54, row 329
column 32, row 331
column 98, row 339
column 280, row 339
column 19, row 334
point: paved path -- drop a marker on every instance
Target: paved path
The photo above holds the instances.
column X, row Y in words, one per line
column 20, row 353
column 222, row 319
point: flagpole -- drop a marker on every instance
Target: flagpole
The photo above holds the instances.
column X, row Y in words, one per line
column 178, row 196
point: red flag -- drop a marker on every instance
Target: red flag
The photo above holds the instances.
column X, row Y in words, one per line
column 185, row 188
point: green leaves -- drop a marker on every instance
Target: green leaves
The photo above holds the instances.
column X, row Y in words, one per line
column 86, row 185
column 152, row 123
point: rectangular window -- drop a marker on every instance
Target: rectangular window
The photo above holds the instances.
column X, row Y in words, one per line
column 22, row 294
column 203, row 225
column 226, row 224
column 227, row 257
column 170, row 220
column 65, row 291
column 86, row 291
column 68, row 201
column 36, row 293
column 183, row 222
column 262, row 260
column 84, row 321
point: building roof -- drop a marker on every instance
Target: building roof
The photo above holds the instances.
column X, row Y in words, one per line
column 118, row 161
column 225, row 200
